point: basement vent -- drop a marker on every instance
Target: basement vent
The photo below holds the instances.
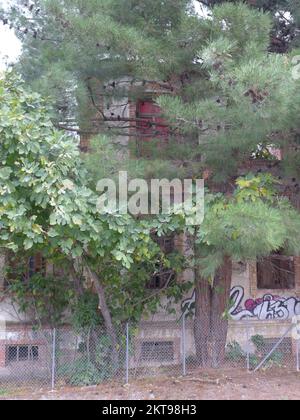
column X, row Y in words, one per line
column 285, row 347
column 21, row 353
column 157, row 351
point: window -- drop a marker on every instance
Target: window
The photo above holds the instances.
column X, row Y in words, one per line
column 162, row 277
column 21, row 268
column 22, row 353
column 36, row 265
column 166, row 243
column 12, row 354
column 157, row 351
column 276, row 272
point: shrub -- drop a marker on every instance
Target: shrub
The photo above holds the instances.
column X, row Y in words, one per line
column 82, row 373
column 276, row 358
column 234, row 352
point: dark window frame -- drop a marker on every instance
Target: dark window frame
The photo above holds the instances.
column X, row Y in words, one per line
column 162, row 277
column 276, row 272
column 36, row 264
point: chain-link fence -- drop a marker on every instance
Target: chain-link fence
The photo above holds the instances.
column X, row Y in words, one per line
column 54, row 358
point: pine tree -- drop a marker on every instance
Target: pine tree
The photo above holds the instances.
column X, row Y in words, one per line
column 286, row 20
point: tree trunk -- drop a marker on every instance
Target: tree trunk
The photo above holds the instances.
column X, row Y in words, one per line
column 202, row 320
column 110, row 329
column 2, row 268
column 210, row 325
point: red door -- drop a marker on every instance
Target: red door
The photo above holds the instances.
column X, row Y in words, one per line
column 152, row 128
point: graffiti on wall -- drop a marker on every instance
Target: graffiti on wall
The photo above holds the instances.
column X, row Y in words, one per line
column 269, row 307
column 265, row 308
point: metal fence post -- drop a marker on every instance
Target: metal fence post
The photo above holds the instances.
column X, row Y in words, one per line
column 53, row 370
column 297, row 355
column 127, row 353
column 183, row 345
column 248, row 344
column 274, row 348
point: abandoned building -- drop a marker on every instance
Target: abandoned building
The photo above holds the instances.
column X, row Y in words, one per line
column 265, row 293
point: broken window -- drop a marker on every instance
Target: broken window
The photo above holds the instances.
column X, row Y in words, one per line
column 161, row 279
column 163, row 276
column 24, row 268
column 276, row 272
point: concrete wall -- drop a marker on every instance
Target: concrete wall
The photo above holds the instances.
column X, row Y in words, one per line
column 270, row 318
column 9, row 311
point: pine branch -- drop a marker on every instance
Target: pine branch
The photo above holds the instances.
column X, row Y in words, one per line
column 116, row 132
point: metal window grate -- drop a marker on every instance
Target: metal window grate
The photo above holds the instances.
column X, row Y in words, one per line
column 286, row 347
column 157, row 351
column 21, row 353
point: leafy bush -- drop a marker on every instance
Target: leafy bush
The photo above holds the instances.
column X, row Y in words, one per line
column 94, row 364
column 234, row 352
column 82, row 373
column 254, row 361
column 276, row 358
column 259, row 342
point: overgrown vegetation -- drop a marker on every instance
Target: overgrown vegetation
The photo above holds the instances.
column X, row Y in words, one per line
column 228, row 101
column 235, row 353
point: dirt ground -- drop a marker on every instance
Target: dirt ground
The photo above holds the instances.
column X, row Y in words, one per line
column 200, row 385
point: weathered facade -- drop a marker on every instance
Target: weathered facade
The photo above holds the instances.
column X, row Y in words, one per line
column 265, row 294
